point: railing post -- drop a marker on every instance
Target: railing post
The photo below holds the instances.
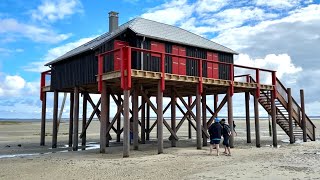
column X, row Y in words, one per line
column 231, row 89
column 200, row 77
column 100, row 72
column 163, row 72
column 304, row 125
column 125, row 68
column 274, row 83
column 290, row 116
column 258, row 82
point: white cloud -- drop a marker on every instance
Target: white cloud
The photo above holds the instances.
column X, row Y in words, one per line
column 11, row 85
column 12, row 28
column 170, row 12
column 281, row 4
column 53, row 10
column 204, row 6
column 54, row 53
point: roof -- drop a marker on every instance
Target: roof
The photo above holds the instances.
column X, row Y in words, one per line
column 151, row 29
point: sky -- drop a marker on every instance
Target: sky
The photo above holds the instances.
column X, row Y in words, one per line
column 282, row 35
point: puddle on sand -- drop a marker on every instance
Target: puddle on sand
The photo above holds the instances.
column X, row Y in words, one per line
column 90, row 146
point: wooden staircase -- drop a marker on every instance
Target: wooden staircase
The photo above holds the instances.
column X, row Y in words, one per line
column 282, row 116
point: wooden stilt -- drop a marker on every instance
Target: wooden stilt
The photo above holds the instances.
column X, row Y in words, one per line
column 126, row 124
column 290, row 116
column 84, row 120
column 135, row 118
column 160, row 118
column 103, row 119
column 189, row 124
column 230, row 118
column 143, row 121
column 303, row 114
column 215, row 102
column 204, row 116
column 274, row 120
column 256, row 120
column 148, row 123
column 71, row 118
column 119, row 123
column 247, row 102
column 55, row 119
column 198, row 118
column 76, row 119
column 108, row 137
column 173, row 117
column 43, row 119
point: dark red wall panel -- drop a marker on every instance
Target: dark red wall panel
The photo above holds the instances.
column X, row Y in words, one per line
column 117, row 60
column 212, row 67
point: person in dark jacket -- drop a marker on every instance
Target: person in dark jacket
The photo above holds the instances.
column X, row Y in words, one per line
column 226, row 133
column 215, row 135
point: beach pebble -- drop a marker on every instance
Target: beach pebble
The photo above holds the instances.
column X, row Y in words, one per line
column 7, row 145
column 19, row 145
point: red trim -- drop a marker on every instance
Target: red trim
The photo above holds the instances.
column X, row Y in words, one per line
column 129, row 68
column 163, row 86
column 43, row 82
column 200, row 77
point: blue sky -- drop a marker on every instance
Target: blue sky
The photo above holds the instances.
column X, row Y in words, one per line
column 278, row 34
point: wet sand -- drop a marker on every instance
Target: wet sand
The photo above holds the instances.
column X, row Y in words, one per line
column 297, row 161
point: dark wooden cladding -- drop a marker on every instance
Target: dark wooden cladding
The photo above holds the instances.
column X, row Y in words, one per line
column 193, row 65
column 224, row 70
column 82, row 69
column 76, row 71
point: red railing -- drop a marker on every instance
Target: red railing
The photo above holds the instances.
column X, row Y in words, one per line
column 126, row 68
column 43, row 82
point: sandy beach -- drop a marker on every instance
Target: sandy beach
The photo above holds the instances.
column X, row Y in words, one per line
column 297, row 161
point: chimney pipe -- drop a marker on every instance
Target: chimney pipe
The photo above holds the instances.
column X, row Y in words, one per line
column 113, row 21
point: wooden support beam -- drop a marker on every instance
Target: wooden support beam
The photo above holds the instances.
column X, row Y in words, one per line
column 135, row 118
column 204, row 116
column 119, row 121
column 103, row 118
column 95, row 109
column 247, row 102
column 148, row 123
column 126, row 124
column 98, row 112
column 290, row 116
column 215, row 102
column 222, row 103
column 143, row 121
column 189, row 116
column 173, row 117
column 107, row 116
column 155, row 111
column 76, row 119
column 43, row 119
column 55, row 119
column 160, row 118
column 84, row 120
column 303, row 114
column 230, row 118
column 198, row 118
column 71, row 118
column 110, row 126
column 274, row 120
column 256, row 119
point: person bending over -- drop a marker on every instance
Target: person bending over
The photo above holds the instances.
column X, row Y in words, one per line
column 226, row 133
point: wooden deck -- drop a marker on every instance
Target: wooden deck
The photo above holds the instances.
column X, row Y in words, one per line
column 184, row 84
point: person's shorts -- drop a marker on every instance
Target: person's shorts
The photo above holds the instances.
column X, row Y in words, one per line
column 215, row 141
column 226, row 141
